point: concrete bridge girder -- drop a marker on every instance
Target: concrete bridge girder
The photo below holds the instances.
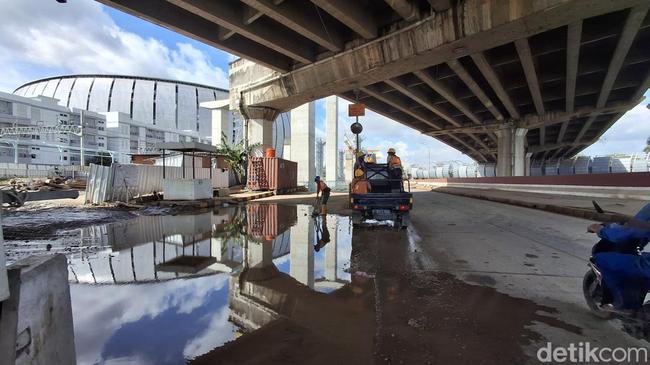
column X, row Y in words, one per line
column 388, row 59
column 440, row 64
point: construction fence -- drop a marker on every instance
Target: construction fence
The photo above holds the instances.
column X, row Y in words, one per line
column 122, row 182
column 10, row 170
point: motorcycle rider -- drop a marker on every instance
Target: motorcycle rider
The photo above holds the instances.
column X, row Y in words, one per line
column 625, row 276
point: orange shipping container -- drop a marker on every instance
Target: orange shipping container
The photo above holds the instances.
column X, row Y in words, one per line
column 271, row 173
column 267, row 221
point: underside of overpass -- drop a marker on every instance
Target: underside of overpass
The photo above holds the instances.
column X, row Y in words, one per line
column 487, row 77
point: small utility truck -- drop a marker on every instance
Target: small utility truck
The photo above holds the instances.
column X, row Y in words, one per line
column 386, row 201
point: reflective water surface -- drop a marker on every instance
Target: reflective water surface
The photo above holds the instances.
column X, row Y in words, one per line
column 168, row 289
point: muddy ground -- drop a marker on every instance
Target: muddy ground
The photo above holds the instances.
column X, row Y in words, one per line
column 469, row 282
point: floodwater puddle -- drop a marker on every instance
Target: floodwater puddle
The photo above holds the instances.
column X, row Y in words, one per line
column 216, row 286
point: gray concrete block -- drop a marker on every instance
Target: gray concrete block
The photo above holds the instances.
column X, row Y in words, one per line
column 45, row 331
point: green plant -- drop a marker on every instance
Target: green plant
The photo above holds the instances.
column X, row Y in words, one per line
column 236, row 156
column 647, row 147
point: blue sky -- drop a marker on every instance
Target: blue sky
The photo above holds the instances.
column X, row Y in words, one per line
column 84, row 36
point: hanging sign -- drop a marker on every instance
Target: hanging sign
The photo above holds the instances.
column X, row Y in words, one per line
column 356, row 110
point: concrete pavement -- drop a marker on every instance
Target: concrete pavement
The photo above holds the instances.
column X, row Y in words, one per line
column 616, row 209
column 475, row 281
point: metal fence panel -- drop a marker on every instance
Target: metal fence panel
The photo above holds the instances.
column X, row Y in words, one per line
column 581, row 165
column 600, row 165
column 640, row 163
column 621, row 164
column 566, row 167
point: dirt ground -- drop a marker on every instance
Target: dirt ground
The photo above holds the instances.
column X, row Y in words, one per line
column 338, row 202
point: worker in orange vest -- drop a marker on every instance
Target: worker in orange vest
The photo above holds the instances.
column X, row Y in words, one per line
column 359, row 184
column 394, row 169
column 394, row 163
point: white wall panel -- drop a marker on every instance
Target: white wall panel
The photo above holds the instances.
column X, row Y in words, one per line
column 50, row 88
column 21, row 91
column 30, row 90
column 63, row 91
column 187, row 108
column 166, row 105
column 205, row 116
column 79, row 96
column 40, row 87
column 143, row 101
column 99, row 94
column 121, row 96
column 221, row 94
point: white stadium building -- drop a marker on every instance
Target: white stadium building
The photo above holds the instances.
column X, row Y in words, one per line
column 121, row 116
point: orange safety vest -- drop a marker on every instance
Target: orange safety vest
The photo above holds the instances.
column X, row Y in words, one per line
column 360, row 187
column 394, row 162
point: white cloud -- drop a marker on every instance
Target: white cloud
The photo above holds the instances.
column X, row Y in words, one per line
column 96, row 321
column 213, row 336
column 79, row 37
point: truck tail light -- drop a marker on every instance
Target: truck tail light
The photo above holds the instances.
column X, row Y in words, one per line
column 357, row 207
column 404, row 207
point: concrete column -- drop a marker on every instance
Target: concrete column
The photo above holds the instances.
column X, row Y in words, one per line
column 330, row 255
column 221, row 123
column 504, row 151
column 511, row 151
column 519, row 152
column 528, row 156
column 260, row 131
column 260, row 127
column 259, row 254
column 302, row 250
column 303, row 132
column 331, row 141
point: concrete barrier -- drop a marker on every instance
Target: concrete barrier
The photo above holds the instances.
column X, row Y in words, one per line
column 622, row 186
column 41, row 312
column 632, row 179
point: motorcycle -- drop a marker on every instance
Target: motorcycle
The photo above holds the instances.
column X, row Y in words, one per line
column 596, row 294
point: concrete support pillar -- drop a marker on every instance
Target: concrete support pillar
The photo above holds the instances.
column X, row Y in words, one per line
column 331, row 142
column 528, row 156
column 519, row 152
column 221, row 125
column 260, row 254
column 330, row 256
column 221, row 122
column 504, row 151
column 511, row 151
column 302, row 250
column 260, row 131
column 303, row 133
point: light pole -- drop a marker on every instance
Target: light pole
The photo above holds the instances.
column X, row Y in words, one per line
column 82, row 156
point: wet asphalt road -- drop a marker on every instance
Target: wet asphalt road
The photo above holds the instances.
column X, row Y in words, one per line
column 474, row 281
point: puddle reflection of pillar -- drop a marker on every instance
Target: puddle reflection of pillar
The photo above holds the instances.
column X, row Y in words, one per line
column 260, row 254
column 302, row 250
column 216, row 247
column 330, row 252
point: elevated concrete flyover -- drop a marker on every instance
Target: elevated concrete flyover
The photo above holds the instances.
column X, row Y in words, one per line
column 501, row 81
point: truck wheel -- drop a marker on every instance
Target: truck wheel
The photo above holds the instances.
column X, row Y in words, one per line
column 357, row 218
column 404, row 221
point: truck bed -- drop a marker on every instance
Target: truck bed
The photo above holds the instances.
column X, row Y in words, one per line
column 381, row 200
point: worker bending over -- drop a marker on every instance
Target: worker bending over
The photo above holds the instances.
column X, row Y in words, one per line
column 321, row 187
